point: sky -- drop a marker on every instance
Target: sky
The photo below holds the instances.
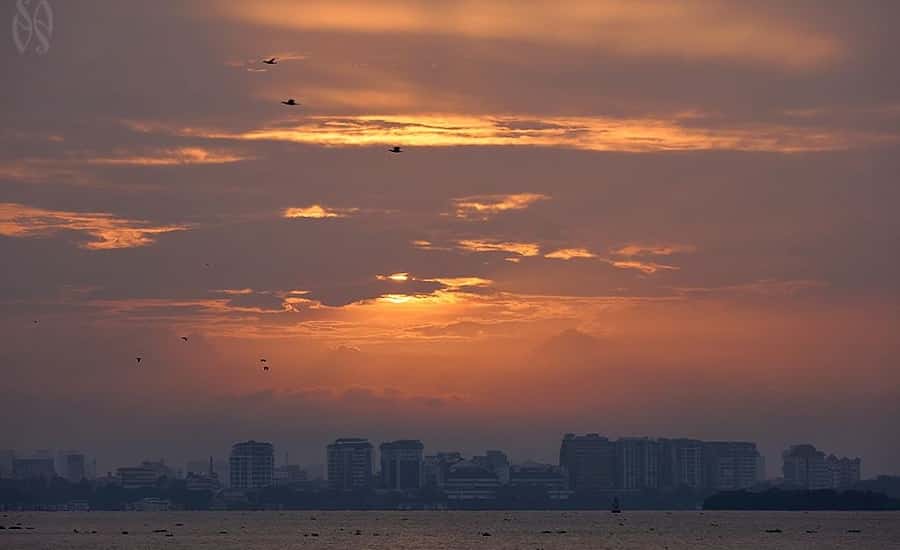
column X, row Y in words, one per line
column 626, row 217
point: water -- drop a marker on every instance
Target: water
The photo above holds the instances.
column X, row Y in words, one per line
column 452, row 530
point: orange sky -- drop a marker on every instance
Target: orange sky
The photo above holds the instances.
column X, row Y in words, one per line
column 628, row 217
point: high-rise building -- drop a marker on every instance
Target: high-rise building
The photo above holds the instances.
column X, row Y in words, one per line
column 75, row 468
column 252, row 465
column 807, row 467
column 804, row 466
column 547, row 477
column 730, row 465
column 402, row 465
column 7, row 457
column 845, row 472
column 637, row 463
column 349, row 464
column 681, row 463
column 34, row 467
column 497, row 462
column 468, row 481
column 137, row 477
column 589, row 461
column 438, row 465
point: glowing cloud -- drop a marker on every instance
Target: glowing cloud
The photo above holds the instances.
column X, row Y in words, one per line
column 168, row 157
column 484, row 206
column 570, row 253
column 477, row 245
column 399, row 277
column 645, row 28
column 108, row 231
column 632, row 250
column 317, row 211
column 461, row 282
column 647, row 268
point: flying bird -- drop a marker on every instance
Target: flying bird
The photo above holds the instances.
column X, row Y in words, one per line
column 290, row 102
column 35, row 321
column 266, row 369
column 272, row 61
column 263, row 360
column 185, row 338
column 138, row 359
column 395, row 149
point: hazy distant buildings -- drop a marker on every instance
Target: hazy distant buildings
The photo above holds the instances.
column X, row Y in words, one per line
column 681, row 463
column 807, row 467
column 469, row 481
column 730, row 465
column 251, row 465
column 637, row 463
column 545, row 477
column 349, row 464
column 402, row 465
column 137, row 477
column 589, row 462
column 74, row 466
column 845, row 472
column 437, row 466
column 495, row 461
column 34, row 467
column 7, row 458
column 289, row 474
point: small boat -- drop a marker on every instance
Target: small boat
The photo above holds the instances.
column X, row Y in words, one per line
column 616, row 507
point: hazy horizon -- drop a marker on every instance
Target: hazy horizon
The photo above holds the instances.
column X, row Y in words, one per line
column 634, row 218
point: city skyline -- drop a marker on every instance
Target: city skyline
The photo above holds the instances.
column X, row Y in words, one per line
column 481, row 224
column 763, row 469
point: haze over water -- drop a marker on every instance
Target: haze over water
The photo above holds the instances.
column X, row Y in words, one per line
column 455, row 530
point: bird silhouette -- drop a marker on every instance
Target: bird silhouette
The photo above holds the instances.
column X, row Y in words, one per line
column 263, row 360
column 138, row 359
column 395, row 149
column 272, row 61
column 266, row 368
column 185, row 338
column 35, row 321
column 290, row 102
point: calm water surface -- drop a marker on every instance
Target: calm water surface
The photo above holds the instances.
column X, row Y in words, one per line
column 452, row 530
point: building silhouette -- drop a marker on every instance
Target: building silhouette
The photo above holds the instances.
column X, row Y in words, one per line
column 589, row 462
column 807, row 467
column 402, row 464
column 637, row 463
column 730, row 465
column 468, row 481
column 251, row 465
column 349, row 464
column 495, row 461
column 74, row 467
column 437, row 466
column 547, row 478
column 681, row 463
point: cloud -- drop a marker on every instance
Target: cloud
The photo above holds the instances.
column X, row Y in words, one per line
column 399, row 277
column 317, row 211
column 720, row 31
column 107, row 231
column 647, row 268
column 480, row 245
column 632, row 256
column 570, row 253
column 591, row 133
column 631, row 250
column 484, row 206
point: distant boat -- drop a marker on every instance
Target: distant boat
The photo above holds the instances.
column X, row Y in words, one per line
column 616, row 507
